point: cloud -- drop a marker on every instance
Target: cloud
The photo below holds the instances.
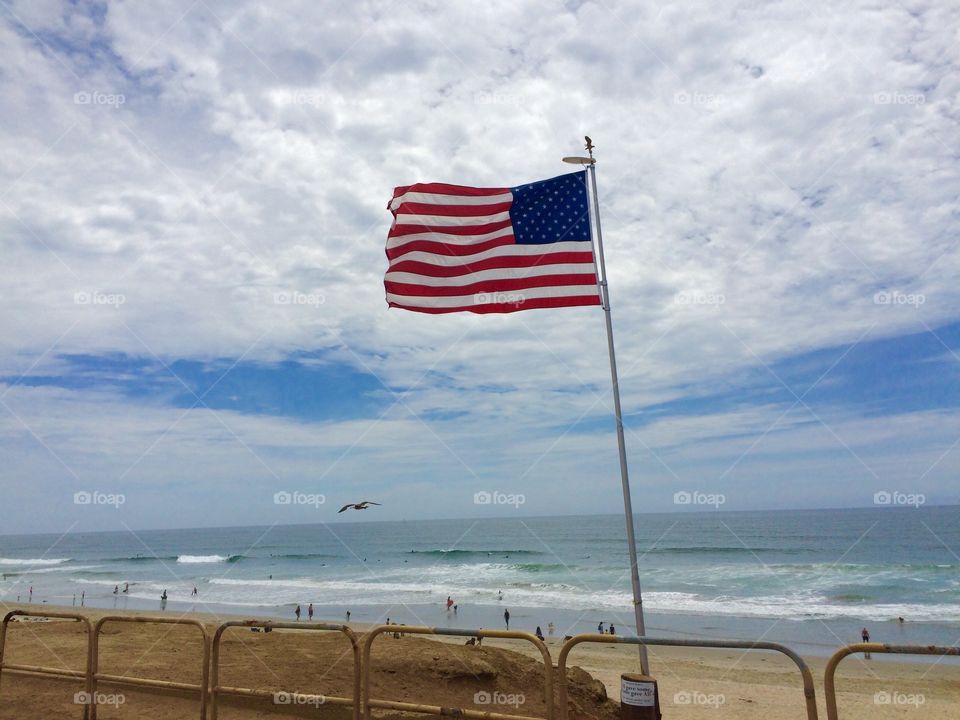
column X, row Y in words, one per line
column 201, row 160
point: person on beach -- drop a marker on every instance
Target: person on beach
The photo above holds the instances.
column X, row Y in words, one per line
column 539, row 633
column 600, row 628
column 116, row 589
column 83, row 595
column 499, row 595
column 194, row 593
column 126, row 587
column 865, row 636
column 310, row 611
column 613, row 630
column 551, row 628
column 297, row 613
column 506, row 618
column 449, row 603
column 348, row 616
column 31, row 593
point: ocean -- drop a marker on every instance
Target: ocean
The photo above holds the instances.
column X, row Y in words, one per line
column 811, row 578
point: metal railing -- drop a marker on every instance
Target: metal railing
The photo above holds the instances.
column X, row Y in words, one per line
column 297, row 698
column 829, row 674
column 209, row 689
column 808, row 689
column 60, row 673
column 96, row 676
column 375, row 632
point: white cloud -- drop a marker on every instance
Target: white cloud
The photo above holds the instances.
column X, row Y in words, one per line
column 795, row 162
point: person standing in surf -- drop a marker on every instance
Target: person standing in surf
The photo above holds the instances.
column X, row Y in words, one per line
column 297, row 613
column 506, row 618
column 865, row 636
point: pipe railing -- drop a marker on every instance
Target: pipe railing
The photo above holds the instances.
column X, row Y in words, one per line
column 201, row 687
column 375, row 632
column 829, row 674
column 209, row 689
column 283, row 698
column 61, row 673
column 808, row 689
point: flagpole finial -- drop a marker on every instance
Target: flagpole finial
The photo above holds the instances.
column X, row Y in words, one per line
column 574, row 160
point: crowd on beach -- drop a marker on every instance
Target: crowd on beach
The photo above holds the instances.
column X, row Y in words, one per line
column 451, row 606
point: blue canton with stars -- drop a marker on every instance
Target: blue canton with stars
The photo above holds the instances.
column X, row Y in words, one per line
column 551, row 211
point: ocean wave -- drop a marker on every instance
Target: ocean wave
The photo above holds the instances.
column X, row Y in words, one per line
column 143, row 558
column 796, row 607
column 467, row 591
column 473, row 553
column 539, row 567
column 193, row 559
column 785, row 607
column 54, row 569
column 721, row 550
column 33, row 561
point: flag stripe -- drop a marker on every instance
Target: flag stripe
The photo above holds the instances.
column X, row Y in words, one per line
column 504, row 196
column 453, row 248
column 519, row 297
column 447, row 189
column 445, row 221
column 428, row 208
column 552, row 302
column 528, row 254
column 518, row 285
column 453, row 269
column 495, row 274
column 400, row 229
column 445, row 248
column 444, row 240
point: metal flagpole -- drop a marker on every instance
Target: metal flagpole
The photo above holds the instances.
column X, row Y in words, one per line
column 624, row 475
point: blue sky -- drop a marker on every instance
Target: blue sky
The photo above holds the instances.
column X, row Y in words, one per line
column 193, row 215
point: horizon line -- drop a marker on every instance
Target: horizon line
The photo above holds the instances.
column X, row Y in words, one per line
column 335, row 521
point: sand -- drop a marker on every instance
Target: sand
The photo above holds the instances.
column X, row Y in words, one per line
column 693, row 683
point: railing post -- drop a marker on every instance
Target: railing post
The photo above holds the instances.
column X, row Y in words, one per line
column 808, row 688
column 89, row 709
column 94, row 663
column 375, row 632
column 829, row 673
column 216, row 690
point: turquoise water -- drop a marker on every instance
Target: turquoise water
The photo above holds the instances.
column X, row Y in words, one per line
column 809, row 578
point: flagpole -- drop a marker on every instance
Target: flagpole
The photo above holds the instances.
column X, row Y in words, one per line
column 624, row 474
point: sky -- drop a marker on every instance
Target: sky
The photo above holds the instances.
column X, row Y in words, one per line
column 193, row 219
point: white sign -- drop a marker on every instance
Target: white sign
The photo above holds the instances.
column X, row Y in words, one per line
column 638, row 694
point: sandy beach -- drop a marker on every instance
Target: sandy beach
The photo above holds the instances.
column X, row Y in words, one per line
column 694, row 683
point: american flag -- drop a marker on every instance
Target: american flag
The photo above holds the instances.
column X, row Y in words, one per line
column 453, row 248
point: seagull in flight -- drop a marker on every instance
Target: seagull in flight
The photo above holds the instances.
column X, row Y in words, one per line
column 357, row 506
